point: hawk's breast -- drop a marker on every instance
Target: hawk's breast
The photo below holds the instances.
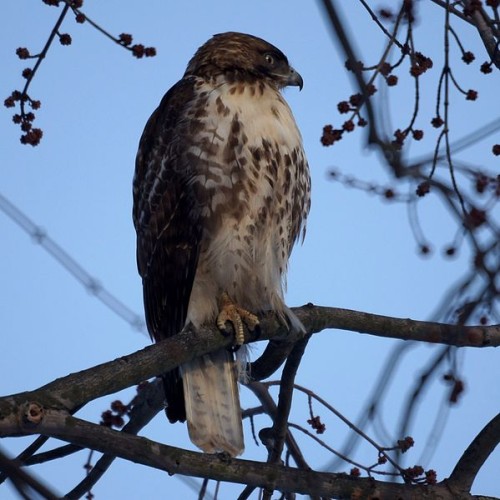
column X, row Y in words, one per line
column 252, row 182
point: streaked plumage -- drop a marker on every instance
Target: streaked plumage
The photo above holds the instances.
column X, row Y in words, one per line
column 221, row 194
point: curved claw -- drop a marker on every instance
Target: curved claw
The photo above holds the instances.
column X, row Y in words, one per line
column 236, row 315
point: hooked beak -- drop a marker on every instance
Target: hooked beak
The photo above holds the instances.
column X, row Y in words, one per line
column 294, row 79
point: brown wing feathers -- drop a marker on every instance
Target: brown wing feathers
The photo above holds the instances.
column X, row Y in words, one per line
column 168, row 233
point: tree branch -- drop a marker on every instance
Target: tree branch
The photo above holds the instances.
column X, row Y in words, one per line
column 47, row 409
column 261, row 391
column 452, row 10
column 475, row 455
column 272, row 358
column 23, row 481
column 149, row 402
column 61, row 425
column 280, row 420
column 278, row 433
column 490, row 41
column 318, row 318
column 391, row 154
column 27, row 453
column 74, row 390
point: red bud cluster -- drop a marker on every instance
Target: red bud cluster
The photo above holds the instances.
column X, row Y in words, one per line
column 114, row 416
column 420, row 64
column 317, row 425
column 330, row 135
column 405, row 444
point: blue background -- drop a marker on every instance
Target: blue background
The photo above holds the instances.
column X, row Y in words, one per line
column 359, row 252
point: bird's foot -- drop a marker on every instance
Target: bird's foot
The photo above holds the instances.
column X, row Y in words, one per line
column 236, row 315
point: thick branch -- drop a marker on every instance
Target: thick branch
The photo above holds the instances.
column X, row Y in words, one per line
column 271, row 359
column 490, row 41
column 74, row 390
column 475, row 455
column 147, row 404
column 46, row 410
column 452, row 9
column 318, row 318
column 270, row 476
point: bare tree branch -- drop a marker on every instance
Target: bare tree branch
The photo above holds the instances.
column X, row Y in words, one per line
column 464, row 473
column 279, row 430
column 74, row 390
column 488, row 35
column 47, row 409
column 173, row 460
column 24, row 482
column 149, row 402
column 261, row 391
column 27, row 453
column 272, row 358
column 445, row 5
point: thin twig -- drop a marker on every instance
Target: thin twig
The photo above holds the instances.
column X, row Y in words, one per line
column 375, row 18
column 27, row 453
column 41, row 55
column 357, row 430
column 261, row 391
column 55, row 454
column 279, row 429
column 23, row 481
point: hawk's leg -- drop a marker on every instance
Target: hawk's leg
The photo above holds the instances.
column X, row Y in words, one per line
column 235, row 314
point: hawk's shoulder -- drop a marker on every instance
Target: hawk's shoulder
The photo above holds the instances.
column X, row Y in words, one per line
column 160, row 127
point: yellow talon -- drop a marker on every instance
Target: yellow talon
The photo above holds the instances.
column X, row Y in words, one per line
column 236, row 315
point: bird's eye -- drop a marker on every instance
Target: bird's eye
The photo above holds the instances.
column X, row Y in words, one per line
column 269, row 59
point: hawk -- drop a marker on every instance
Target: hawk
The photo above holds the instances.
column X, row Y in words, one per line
column 221, row 194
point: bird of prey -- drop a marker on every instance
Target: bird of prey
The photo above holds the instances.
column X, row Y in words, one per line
column 221, row 194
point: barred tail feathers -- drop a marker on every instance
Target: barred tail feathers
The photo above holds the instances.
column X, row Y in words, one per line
column 212, row 403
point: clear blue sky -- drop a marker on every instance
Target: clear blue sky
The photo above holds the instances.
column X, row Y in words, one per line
column 359, row 252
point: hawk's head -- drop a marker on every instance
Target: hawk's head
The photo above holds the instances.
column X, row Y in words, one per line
column 243, row 57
